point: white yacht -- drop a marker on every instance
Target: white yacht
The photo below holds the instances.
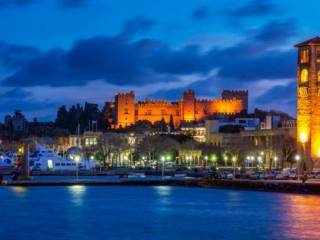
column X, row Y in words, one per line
column 44, row 159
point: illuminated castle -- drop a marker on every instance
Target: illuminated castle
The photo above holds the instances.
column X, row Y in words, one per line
column 124, row 111
column 308, row 108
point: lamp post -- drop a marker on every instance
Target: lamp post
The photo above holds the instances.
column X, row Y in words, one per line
column 214, row 159
column 206, row 161
column 225, row 160
column 234, row 160
column 297, row 157
column 275, row 162
column 259, row 160
column 162, row 160
column 262, row 158
column 77, row 160
column 303, row 140
column 252, row 160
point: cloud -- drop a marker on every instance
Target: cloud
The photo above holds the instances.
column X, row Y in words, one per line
column 16, row 93
column 200, row 13
column 14, row 56
column 279, row 94
column 138, row 24
column 253, row 8
column 122, row 61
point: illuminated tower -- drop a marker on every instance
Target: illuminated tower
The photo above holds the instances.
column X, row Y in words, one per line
column 308, row 105
column 124, row 109
column 189, row 106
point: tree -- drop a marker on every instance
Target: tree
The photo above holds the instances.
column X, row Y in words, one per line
column 288, row 148
column 111, row 143
column 171, row 124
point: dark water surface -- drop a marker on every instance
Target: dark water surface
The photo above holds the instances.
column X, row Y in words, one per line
column 79, row 213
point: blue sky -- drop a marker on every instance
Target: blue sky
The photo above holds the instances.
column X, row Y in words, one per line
column 55, row 52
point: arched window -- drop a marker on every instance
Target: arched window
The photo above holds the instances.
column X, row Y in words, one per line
column 304, row 76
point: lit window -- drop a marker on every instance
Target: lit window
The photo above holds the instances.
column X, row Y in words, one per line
column 304, row 76
column 304, row 58
column 318, row 55
column 318, row 76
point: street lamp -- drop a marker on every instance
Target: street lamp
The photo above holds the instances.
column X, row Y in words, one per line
column 303, row 140
column 297, row 157
column 206, row 161
column 162, row 160
column 225, row 160
column 275, row 161
column 234, row 159
column 77, row 160
column 214, row 159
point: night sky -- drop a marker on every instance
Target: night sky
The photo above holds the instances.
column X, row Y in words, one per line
column 55, row 52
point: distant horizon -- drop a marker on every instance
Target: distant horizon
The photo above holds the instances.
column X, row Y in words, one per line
column 77, row 51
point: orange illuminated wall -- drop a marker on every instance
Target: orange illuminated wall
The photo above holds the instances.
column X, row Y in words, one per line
column 127, row 112
column 308, row 102
column 124, row 109
column 155, row 110
column 188, row 106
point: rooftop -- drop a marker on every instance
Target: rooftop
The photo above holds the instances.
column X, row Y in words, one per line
column 312, row 41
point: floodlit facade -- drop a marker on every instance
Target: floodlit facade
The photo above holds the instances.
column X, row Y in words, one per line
column 125, row 111
column 308, row 105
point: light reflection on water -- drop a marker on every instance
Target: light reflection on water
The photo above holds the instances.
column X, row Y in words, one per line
column 301, row 216
column 19, row 191
column 157, row 213
column 77, row 193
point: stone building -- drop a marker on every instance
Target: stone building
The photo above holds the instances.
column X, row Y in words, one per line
column 308, row 107
column 187, row 109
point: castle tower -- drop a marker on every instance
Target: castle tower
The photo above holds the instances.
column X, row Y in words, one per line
column 308, row 105
column 188, row 106
column 124, row 109
column 240, row 95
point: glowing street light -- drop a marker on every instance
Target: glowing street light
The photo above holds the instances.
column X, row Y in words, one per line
column 206, row 160
column 77, row 160
column 234, row 160
column 162, row 172
column 214, row 159
column 225, row 159
column 275, row 161
column 303, row 137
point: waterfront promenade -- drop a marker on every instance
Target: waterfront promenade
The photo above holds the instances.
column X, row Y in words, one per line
column 286, row 186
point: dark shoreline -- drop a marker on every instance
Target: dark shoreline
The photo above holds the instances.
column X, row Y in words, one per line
column 250, row 185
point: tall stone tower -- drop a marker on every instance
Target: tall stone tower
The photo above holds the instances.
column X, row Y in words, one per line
column 308, row 105
column 188, row 106
column 124, row 109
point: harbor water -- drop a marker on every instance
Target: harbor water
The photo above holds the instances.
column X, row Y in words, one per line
column 121, row 212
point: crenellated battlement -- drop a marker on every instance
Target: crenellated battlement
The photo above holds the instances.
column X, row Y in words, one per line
column 154, row 102
column 125, row 95
column 188, row 108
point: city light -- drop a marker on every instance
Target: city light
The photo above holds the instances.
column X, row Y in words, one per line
column 303, row 137
column 297, row 157
column 214, row 158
